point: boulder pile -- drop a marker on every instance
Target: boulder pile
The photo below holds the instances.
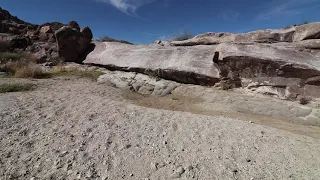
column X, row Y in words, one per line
column 48, row 42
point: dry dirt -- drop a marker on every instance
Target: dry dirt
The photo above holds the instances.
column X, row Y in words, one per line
column 78, row 129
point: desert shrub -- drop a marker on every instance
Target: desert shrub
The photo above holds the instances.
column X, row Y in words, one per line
column 61, row 71
column 110, row 39
column 16, row 87
column 294, row 25
column 31, row 72
column 9, row 56
column 24, row 69
column 182, row 36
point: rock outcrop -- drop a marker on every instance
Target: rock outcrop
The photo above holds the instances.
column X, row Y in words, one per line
column 73, row 44
column 283, row 63
column 41, row 40
column 293, row 34
column 182, row 64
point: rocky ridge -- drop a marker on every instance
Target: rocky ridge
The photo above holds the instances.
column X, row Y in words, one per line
column 49, row 42
column 284, row 63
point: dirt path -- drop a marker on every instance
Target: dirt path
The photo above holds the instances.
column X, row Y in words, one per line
column 78, row 129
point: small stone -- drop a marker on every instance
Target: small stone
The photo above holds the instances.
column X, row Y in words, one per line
column 165, row 142
column 189, row 168
column 63, row 153
column 131, row 175
column 154, row 166
column 178, row 172
column 234, row 170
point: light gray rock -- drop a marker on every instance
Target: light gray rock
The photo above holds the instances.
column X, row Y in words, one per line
column 307, row 31
column 140, row 83
column 182, row 64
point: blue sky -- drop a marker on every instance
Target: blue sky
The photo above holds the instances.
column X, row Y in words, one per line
column 143, row 21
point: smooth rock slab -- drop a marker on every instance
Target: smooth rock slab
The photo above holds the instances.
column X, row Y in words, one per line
column 182, row 64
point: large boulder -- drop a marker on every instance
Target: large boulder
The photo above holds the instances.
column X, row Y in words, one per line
column 72, row 44
column 87, row 33
column 74, row 25
column 290, row 73
column 267, row 68
column 183, row 64
column 307, row 31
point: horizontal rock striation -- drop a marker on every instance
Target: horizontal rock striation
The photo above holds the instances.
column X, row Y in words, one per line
column 283, row 63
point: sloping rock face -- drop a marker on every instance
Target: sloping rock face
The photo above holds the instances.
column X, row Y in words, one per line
column 284, row 63
column 41, row 40
column 282, row 72
column 182, row 64
column 293, row 34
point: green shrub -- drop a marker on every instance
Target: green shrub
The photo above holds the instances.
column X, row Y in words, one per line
column 16, row 87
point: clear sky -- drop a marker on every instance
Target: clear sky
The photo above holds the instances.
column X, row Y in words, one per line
column 143, row 21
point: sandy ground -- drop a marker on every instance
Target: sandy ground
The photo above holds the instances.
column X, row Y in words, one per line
column 78, row 129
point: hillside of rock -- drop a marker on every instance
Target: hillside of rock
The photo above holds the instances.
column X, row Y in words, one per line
column 284, row 63
column 48, row 42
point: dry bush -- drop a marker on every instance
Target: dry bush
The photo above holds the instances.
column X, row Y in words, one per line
column 31, row 72
column 9, row 56
column 21, row 65
column 110, row 39
column 24, row 69
column 182, row 36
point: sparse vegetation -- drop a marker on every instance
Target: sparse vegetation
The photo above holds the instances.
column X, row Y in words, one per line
column 60, row 71
column 182, row 36
column 24, row 69
column 109, row 39
column 16, row 87
column 20, row 65
column 294, row 25
column 23, row 66
column 9, row 56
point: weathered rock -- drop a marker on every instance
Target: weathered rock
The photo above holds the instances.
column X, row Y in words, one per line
column 274, row 70
column 307, row 31
column 269, row 66
column 87, row 33
column 74, row 25
column 41, row 56
column 140, row 83
column 72, row 44
column 46, row 30
column 53, row 25
column 260, row 36
column 183, row 64
column 10, row 42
